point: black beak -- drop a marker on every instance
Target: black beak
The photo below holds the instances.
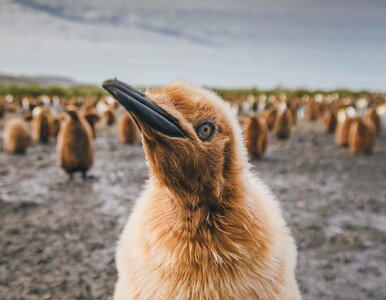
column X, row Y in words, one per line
column 145, row 110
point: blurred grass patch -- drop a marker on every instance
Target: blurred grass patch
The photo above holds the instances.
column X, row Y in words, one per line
column 35, row 90
column 92, row 90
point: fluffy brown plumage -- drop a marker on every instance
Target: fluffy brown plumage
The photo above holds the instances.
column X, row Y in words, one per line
column 361, row 136
column 92, row 117
column 256, row 137
column 75, row 144
column 54, row 125
column 374, row 117
column 109, row 117
column 127, row 130
column 16, row 136
column 243, row 120
column 342, row 132
column 283, row 125
column 205, row 227
column 329, row 122
column 312, row 111
column 269, row 116
column 40, row 125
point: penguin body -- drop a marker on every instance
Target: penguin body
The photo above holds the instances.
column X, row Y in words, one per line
column 16, row 136
column 283, row 125
column 256, row 137
column 40, row 125
column 127, row 131
column 75, row 144
column 204, row 227
column 362, row 136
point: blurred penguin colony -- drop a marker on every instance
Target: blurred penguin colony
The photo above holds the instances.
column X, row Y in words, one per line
column 73, row 123
column 355, row 121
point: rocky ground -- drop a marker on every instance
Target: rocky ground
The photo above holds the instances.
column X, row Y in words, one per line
column 57, row 238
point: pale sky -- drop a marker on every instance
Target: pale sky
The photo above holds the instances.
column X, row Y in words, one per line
column 263, row 43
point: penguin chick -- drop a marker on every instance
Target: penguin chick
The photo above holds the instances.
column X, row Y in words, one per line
column 283, row 125
column 329, row 122
column 361, row 136
column 374, row 117
column 205, row 226
column 16, row 136
column 92, row 117
column 312, row 111
column 256, row 137
column 75, row 145
column 269, row 116
column 243, row 120
column 40, row 125
column 127, row 130
column 345, row 118
column 108, row 117
column 54, row 125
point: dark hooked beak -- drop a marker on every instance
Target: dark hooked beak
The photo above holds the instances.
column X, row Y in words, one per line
column 145, row 110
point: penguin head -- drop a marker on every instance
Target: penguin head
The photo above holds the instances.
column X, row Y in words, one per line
column 191, row 138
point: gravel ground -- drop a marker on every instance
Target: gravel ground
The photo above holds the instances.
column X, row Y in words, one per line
column 57, row 238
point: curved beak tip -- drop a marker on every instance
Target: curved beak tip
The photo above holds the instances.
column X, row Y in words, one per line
column 147, row 111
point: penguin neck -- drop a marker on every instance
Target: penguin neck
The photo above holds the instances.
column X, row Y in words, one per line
column 209, row 201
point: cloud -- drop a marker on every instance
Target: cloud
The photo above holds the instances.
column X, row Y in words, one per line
column 315, row 43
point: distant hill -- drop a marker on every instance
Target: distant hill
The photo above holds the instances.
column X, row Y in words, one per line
column 36, row 80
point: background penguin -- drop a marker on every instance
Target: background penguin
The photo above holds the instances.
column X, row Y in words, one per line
column 256, row 137
column 54, row 125
column 361, row 136
column 283, row 125
column 127, row 130
column 243, row 120
column 75, row 145
column 40, row 125
column 374, row 117
column 330, row 121
column 381, row 111
column 16, row 136
column 205, row 226
column 108, row 117
column 345, row 118
column 312, row 111
column 269, row 116
column 293, row 105
column 92, row 117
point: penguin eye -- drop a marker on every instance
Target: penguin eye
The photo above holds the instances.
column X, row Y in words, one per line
column 205, row 131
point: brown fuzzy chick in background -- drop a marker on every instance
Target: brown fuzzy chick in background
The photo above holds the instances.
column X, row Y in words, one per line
column 330, row 121
column 256, row 137
column 75, row 144
column 127, row 130
column 269, row 116
column 40, row 125
column 283, row 125
column 16, row 136
column 343, row 126
column 312, row 111
column 108, row 117
column 54, row 125
column 373, row 116
column 243, row 120
column 361, row 136
column 92, row 117
column 205, row 227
